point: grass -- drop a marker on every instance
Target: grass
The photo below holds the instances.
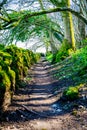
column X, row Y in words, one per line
column 74, row 68
column 49, row 57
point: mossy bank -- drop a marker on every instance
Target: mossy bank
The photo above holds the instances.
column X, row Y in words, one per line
column 14, row 65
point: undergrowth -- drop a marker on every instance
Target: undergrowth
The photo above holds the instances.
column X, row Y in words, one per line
column 64, row 51
column 73, row 67
column 49, row 56
column 72, row 92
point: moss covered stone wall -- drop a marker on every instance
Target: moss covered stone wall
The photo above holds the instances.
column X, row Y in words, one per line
column 14, row 65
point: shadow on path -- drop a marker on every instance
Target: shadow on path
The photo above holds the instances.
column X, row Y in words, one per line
column 39, row 95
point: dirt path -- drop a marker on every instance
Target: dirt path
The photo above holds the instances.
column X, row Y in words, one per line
column 41, row 97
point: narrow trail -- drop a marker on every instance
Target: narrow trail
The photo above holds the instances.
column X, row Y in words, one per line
column 40, row 97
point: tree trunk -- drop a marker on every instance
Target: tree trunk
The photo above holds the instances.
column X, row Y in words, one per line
column 81, row 27
column 52, row 44
column 81, row 24
column 68, row 27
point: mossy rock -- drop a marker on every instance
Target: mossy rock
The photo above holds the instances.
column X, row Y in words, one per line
column 14, row 65
column 5, row 60
column 26, row 59
column 21, row 61
column 5, row 55
column 37, row 56
column 6, row 101
column 4, row 65
column 4, row 90
column 12, row 77
column 25, row 71
column 32, row 57
column 71, row 93
column 4, row 80
column 17, row 61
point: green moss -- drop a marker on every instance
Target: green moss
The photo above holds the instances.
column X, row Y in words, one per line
column 21, row 60
column 6, row 81
column 5, row 55
column 72, row 31
column 37, row 56
column 4, row 85
column 71, row 93
column 80, row 61
column 4, row 65
column 11, row 49
column 20, row 69
column 0, row 67
column 32, row 57
column 11, row 74
column 5, row 60
column 25, row 71
column 2, row 77
column 2, row 47
column 49, row 56
column 63, row 52
column 17, row 61
column 12, row 77
column 26, row 59
column 14, row 65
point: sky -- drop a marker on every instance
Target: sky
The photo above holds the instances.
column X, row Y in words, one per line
column 39, row 50
column 29, row 45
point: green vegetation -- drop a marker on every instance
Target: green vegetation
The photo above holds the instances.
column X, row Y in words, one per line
column 49, row 56
column 62, row 35
column 73, row 69
column 72, row 93
column 14, row 65
column 66, row 51
column 5, row 84
column 80, row 59
column 63, row 51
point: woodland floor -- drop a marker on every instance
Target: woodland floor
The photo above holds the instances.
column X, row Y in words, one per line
column 38, row 106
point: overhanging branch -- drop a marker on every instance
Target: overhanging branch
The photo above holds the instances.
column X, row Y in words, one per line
column 32, row 14
column 58, row 9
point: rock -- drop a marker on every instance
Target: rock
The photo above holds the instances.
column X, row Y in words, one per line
column 58, row 110
column 54, row 106
column 65, row 107
column 82, row 107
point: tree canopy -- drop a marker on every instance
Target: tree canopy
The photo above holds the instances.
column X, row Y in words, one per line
column 22, row 20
